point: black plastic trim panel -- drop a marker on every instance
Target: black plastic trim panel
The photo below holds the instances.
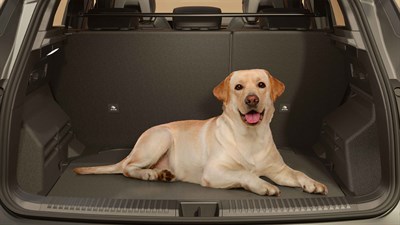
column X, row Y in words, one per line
column 170, row 208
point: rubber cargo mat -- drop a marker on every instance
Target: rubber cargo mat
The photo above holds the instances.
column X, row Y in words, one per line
column 118, row 186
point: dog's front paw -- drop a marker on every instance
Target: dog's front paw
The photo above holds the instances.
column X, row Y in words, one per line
column 315, row 187
column 166, row 175
column 148, row 174
column 269, row 190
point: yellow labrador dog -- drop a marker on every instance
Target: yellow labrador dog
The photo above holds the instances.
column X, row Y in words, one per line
column 228, row 151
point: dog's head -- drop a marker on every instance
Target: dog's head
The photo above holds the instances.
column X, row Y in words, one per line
column 249, row 94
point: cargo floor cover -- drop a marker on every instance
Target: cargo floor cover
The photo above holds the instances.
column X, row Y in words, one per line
column 118, row 186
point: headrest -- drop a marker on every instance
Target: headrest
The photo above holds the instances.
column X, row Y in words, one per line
column 285, row 22
column 255, row 6
column 250, row 6
column 112, row 22
column 270, row 4
column 143, row 6
column 197, row 23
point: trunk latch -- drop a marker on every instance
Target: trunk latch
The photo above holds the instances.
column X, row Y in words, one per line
column 198, row 209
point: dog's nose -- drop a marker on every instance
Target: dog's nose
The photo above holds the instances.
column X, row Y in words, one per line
column 252, row 100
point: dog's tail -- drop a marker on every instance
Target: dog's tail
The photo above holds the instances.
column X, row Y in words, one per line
column 108, row 169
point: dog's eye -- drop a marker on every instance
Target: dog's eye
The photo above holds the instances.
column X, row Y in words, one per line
column 261, row 85
column 238, row 87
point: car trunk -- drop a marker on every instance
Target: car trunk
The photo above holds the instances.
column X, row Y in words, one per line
column 88, row 103
column 86, row 96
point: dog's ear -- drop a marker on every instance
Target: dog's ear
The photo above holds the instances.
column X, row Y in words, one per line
column 277, row 87
column 221, row 91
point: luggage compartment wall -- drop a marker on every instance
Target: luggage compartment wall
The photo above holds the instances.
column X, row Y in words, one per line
column 358, row 132
column 149, row 77
column 350, row 139
column 44, row 138
column 313, row 71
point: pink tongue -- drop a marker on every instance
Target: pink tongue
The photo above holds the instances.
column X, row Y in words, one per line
column 252, row 117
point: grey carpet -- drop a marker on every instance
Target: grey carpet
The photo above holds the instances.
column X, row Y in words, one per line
column 118, row 186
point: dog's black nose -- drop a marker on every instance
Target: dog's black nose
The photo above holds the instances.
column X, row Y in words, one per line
column 252, row 100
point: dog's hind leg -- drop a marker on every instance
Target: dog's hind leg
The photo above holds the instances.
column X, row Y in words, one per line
column 151, row 147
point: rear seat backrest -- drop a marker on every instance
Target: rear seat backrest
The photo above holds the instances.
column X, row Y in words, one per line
column 155, row 77
column 197, row 23
column 170, row 68
column 144, row 6
column 307, row 63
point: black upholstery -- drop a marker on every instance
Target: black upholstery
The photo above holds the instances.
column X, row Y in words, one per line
column 119, row 187
column 161, row 76
column 311, row 68
column 285, row 22
column 154, row 77
column 74, row 9
column 144, row 6
column 197, row 23
column 97, row 22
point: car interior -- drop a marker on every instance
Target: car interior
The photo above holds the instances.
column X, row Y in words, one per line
column 93, row 86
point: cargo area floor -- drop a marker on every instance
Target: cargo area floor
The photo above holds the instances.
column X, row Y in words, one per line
column 120, row 187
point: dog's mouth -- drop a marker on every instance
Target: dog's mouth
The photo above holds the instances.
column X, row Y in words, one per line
column 252, row 117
